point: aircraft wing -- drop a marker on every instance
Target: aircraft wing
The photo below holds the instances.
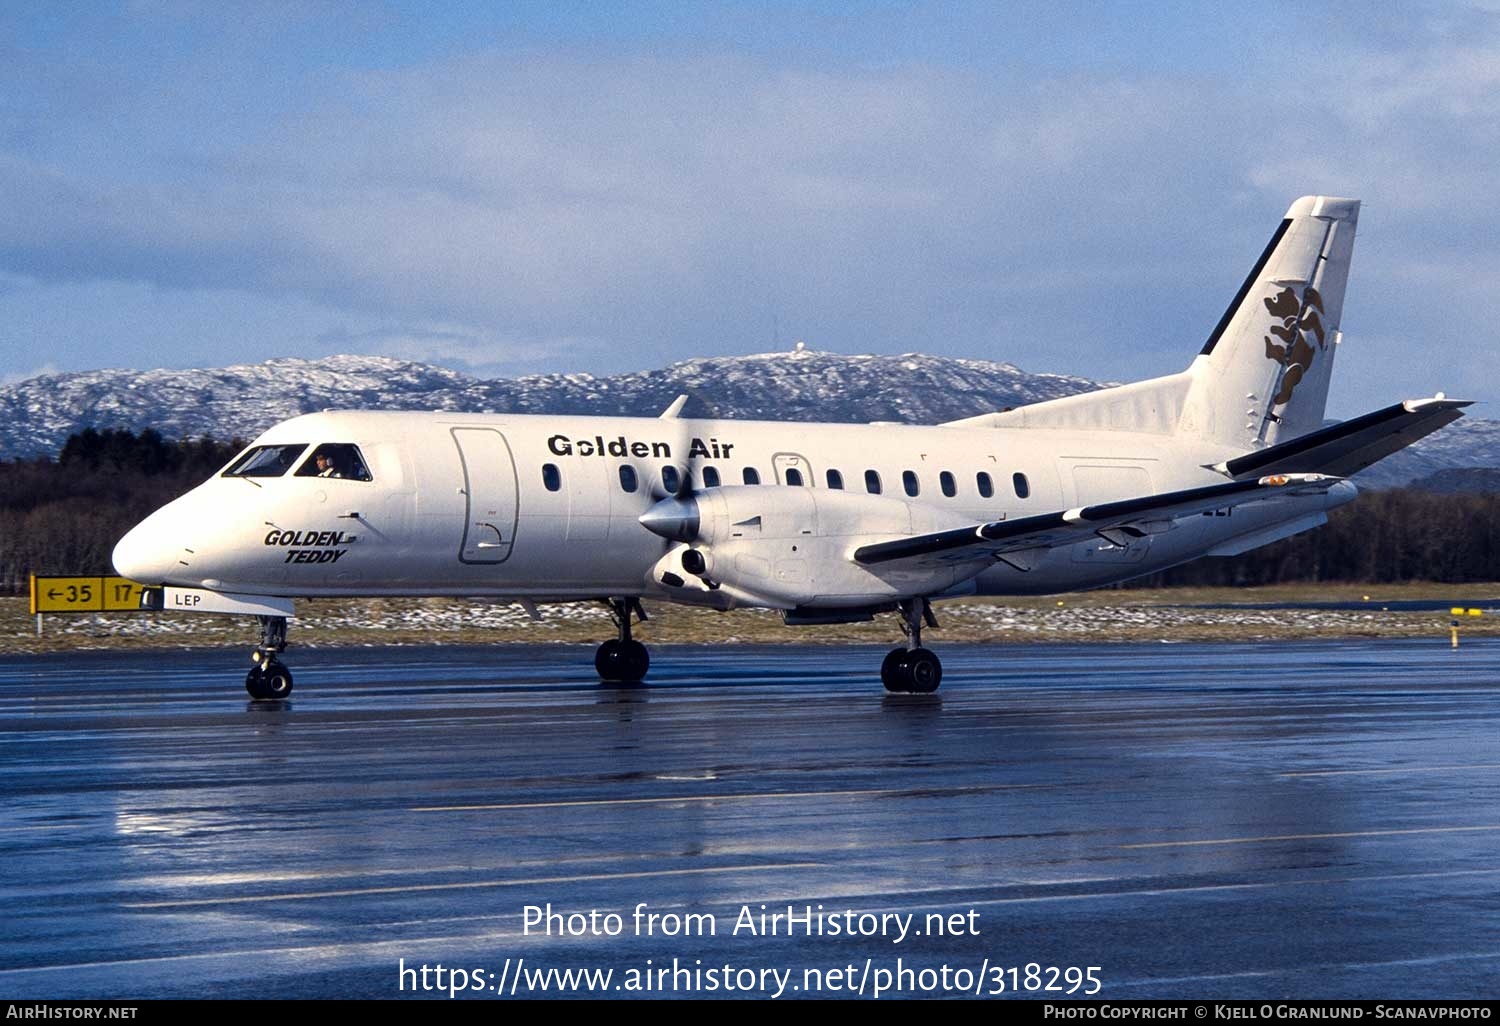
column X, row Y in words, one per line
column 1118, row 522
column 1346, row 448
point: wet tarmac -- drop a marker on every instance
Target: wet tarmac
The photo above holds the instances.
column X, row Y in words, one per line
column 1233, row 821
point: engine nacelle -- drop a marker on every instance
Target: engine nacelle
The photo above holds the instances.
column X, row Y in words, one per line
column 792, row 547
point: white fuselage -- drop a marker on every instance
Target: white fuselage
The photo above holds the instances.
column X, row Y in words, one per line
column 535, row 507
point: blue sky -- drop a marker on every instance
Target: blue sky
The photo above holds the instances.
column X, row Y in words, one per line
column 509, row 188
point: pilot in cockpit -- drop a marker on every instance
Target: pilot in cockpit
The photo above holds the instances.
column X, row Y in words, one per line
column 335, row 459
column 326, row 466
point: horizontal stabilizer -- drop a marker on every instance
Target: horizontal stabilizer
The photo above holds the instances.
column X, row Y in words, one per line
column 1344, row 449
column 1115, row 521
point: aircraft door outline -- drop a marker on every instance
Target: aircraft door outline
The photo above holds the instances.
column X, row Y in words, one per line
column 781, row 462
column 1106, row 480
column 491, row 491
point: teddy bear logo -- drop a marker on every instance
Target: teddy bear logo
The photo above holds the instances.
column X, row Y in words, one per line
column 1298, row 322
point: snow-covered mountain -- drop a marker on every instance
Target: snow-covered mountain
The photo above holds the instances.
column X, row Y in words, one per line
column 37, row 415
column 1464, row 444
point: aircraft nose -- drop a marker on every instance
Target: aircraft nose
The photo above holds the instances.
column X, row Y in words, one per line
column 142, row 555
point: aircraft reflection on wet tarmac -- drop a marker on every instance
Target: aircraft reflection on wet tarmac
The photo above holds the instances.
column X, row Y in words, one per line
column 1315, row 819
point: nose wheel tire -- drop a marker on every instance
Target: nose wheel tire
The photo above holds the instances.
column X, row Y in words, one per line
column 269, row 682
column 622, row 662
column 918, row 671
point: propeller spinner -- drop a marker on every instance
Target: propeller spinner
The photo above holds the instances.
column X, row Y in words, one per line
column 674, row 518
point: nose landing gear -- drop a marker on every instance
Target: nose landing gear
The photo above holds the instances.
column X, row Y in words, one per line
column 623, row 660
column 913, row 669
column 269, row 679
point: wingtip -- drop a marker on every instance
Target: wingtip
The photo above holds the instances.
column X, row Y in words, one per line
column 1437, row 402
column 1277, row 480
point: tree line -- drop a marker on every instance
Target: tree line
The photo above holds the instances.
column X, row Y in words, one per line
column 63, row 515
column 1383, row 537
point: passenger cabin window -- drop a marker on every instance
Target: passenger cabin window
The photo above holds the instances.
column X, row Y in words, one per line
column 551, row 476
column 794, row 477
column 752, row 476
column 710, row 477
column 265, row 461
column 986, row 486
column 628, row 480
column 670, row 479
column 909, row 482
column 949, row 486
column 835, row 480
column 1022, row 486
column 335, row 459
column 872, row 482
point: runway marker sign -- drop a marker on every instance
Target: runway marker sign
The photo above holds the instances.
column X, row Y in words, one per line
column 84, row 595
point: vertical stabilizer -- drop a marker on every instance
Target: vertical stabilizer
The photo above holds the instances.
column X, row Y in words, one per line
column 1262, row 377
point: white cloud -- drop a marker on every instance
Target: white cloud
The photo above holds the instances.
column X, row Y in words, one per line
column 501, row 208
column 454, row 345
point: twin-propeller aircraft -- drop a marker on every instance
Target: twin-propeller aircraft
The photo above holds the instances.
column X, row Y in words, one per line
column 829, row 523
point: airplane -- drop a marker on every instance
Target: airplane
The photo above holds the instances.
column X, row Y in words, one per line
column 828, row 523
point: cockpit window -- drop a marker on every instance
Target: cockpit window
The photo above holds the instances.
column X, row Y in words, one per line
column 265, row 461
column 335, row 459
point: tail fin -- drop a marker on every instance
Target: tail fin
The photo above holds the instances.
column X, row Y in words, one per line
column 1262, row 377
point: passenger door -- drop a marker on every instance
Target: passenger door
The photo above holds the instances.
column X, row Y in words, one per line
column 490, row 491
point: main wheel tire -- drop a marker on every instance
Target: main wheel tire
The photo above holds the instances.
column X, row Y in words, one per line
column 612, row 660
column 622, row 662
column 893, row 672
column 607, row 661
column 636, row 662
column 924, row 670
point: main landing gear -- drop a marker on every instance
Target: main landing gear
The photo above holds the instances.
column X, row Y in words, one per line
column 625, row 660
column 913, row 669
column 269, row 679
